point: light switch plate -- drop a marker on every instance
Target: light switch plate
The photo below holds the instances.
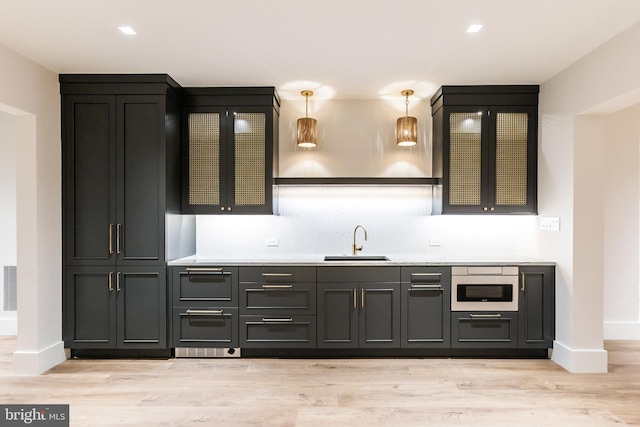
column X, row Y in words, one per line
column 435, row 241
column 550, row 223
column 273, row 241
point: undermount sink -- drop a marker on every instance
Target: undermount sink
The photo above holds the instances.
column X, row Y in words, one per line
column 356, row 258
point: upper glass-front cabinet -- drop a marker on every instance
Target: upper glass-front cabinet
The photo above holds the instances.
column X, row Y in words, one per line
column 228, row 159
column 485, row 154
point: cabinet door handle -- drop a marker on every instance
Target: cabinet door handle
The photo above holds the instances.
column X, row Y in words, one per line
column 118, row 288
column 110, row 239
column 362, row 298
column 205, row 312
column 277, row 320
column 110, row 281
column 485, row 316
column 522, row 285
column 425, row 287
column 355, row 299
column 209, row 270
column 118, row 229
column 272, row 275
column 277, row 286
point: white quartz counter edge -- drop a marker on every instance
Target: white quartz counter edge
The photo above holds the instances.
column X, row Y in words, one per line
column 318, row 260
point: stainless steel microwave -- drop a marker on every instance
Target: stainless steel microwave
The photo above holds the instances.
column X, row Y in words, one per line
column 484, row 288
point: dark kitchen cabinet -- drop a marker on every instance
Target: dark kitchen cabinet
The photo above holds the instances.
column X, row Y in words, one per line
column 358, row 307
column 278, row 307
column 230, row 149
column 116, row 308
column 484, row 329
column 426, row 307
column 121, row 172
column 536, row 307
column 485, row 142
column 204, row 307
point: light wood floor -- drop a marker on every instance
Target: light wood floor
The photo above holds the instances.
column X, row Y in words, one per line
column 341, row 392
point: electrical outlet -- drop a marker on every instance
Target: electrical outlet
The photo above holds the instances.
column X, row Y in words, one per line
column 273, row 241
column 435, row 241
column 550, row 224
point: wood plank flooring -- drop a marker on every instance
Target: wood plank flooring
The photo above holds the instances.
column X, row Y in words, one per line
column 344, row 392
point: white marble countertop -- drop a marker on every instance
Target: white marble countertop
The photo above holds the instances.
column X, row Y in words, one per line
column 394, row 259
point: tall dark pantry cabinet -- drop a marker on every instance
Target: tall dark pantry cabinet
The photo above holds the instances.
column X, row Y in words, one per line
column 121, row 174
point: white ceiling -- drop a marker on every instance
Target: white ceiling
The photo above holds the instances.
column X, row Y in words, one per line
column 339, row 48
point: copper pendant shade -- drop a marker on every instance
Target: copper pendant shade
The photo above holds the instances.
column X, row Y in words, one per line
column 407, row 127
column 307, row 127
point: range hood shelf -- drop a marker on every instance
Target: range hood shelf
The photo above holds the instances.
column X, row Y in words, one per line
column 358, row 181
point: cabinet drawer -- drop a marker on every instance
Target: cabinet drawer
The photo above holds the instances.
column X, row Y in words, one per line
column 275, row 298
column 425, row 274
column 205, row 327
column 484, row 329
column 277, row 331
column 205, row 286
column 358, row 274
column 278, row 274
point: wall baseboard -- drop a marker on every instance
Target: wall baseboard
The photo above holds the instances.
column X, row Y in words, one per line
column 26, row 363
column 622, row 331
column 580, row 361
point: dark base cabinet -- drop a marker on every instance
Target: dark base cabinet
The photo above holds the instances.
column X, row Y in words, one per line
column 426, row 302
column 350, row 311
column 205, row 307
column 484, row 330
column 277, row 332
column 536, row 307
column 205, row 327
column 112, row 308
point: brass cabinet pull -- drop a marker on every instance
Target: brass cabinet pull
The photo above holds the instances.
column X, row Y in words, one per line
column 205, row 312
column 426, row 274
column 277, row 320
column 362, row 298
column 425, row 287
column 110, row 281
column 277, row 286
column 110, row 239
column 118, row 288
column 485, row 316
column 213, row 271
column 277, row 274
column 118, row 229
column 355, row 298
column 522, row 286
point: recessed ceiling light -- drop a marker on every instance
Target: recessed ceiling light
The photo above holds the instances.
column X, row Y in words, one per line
column 474, row 28
column 127, row 30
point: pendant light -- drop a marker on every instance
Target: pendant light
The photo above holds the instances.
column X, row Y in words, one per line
column 407, row 127
column 307, row 127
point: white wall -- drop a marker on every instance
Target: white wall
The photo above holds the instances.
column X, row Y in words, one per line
column 8, row 249
column 621, row 225
column 30, row 93
column 571, row 186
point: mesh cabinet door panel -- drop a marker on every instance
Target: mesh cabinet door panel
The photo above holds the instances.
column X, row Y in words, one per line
column 511, row 159
column 465, row 159
column 204, row 159
column 250, row 159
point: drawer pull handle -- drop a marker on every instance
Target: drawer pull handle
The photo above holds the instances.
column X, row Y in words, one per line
column 277, row 274
column 425, row 287
column 277, row 286
column 426, row 274
column 207, row 270
column 205, row 312
column 485, row 316
column 277, row 320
